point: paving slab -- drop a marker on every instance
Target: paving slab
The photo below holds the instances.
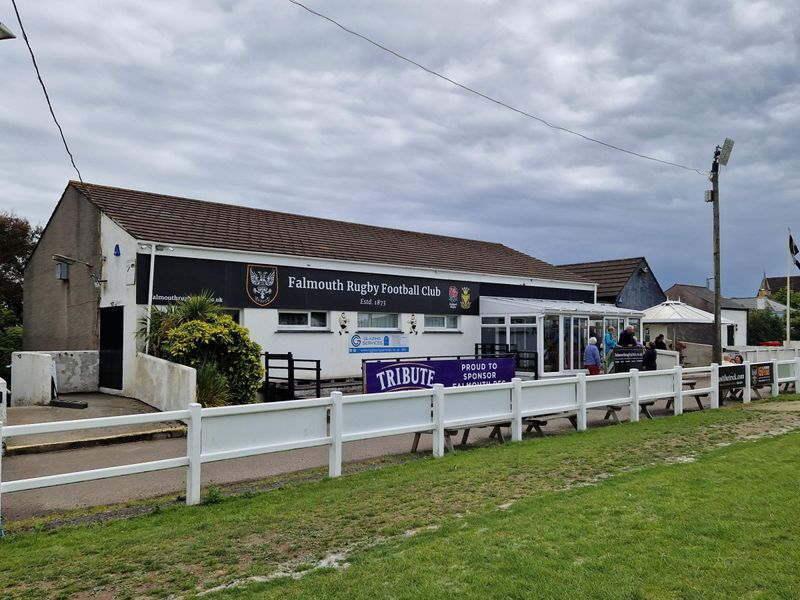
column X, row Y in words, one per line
column 98, row 405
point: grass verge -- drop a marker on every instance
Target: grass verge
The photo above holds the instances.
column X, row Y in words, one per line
column 180, row 550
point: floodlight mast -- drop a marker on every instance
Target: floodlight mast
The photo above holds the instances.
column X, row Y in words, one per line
column 6, row 33
column 721, row 156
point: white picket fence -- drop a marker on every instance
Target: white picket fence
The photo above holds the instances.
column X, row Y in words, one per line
column 230, row 432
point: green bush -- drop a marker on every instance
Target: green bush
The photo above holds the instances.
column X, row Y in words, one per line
column 212, row 386
column 10, row 341
column 220, row 341
column 764, row 326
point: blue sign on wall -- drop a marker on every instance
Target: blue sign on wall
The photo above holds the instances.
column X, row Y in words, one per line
column 408, row 375
column 362, row 343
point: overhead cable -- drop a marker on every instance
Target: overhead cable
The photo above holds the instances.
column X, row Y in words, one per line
column 44, row 89
column 490, row 98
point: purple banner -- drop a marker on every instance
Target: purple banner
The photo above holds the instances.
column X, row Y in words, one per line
column 415, row 375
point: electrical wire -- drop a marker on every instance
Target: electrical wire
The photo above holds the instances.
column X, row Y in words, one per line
column 490, row 98
column 44, row 89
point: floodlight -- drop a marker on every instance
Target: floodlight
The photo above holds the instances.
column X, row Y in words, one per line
column 6, row 33
column 725, row 153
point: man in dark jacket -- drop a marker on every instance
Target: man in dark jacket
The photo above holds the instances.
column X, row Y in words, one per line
column 626, row 338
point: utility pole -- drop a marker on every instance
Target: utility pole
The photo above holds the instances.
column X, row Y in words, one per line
column 721, row 156
column 716, row 352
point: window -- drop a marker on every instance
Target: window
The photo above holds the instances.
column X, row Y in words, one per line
column 378, row 321
column 493, row 333
column 446, row 322
column 233, row 313
column 302, row 320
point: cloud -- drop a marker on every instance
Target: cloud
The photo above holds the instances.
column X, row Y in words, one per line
column 265, row 105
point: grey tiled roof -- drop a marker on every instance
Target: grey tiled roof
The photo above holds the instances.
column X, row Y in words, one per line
column 174, row 220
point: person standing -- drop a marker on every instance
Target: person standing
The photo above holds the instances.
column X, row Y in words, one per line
column 609, row 343
column 650, row 358
column 626, row 338
column 660, row 343
column 591, row 357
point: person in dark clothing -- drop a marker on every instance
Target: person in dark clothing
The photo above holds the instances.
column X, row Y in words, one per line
column 626, row 338
column 650, row 357
column 660, row 344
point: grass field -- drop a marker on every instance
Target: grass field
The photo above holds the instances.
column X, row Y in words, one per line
column 688, row 507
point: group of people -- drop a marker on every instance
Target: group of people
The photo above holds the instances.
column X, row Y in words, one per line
column 627, row 339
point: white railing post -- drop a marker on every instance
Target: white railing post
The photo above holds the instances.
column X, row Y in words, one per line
column 747, row 392
column 634, row 387
column 797, row 375
column 581, row 393
column 3, row 399
column 714, row 385
column 677, row 403
column 2, row 531
column 335, row 450
column 193, row 451
column 438, row 419
column 776, row 391
column 516, row 409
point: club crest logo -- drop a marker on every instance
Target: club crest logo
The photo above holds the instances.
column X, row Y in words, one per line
column 262, row 284
column 466, row 302
column 453, row 296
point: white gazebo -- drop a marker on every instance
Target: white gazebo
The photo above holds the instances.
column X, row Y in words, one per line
column 676, row 313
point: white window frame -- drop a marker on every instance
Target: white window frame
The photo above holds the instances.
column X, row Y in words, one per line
column 307, row 326
column 456, row 326
column 360, row 328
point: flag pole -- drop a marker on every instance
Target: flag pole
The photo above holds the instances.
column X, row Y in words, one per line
column 789, row 290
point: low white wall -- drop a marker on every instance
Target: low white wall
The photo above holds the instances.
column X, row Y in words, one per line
column 697, row 355
column 31, row 373
column 163, row 384
column 667, row 359
column 77, row 370
column 3, row 400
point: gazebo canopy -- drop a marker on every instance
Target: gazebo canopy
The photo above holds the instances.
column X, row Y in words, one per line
column 675, row 311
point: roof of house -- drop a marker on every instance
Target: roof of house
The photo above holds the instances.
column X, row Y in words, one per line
column 773, row 284
column 610, row 275
column 174, row 220
column 700, row 296
column 761, row 304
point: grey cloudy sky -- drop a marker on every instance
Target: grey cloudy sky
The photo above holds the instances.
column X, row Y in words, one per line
column 262, row 104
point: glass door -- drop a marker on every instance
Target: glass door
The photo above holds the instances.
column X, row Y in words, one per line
column 550, row 344
column 522, row 335
column 574, row 335
column 580, row 328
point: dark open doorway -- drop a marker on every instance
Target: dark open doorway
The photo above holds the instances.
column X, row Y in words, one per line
column 111, row 334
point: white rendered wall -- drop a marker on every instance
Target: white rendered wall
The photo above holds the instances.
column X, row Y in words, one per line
column 163, row 384
column 118, row 292
column 740, row 318
column 332, row 348
column 31, row 374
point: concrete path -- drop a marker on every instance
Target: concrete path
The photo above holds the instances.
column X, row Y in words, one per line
column 99, row 405
column 20, row 505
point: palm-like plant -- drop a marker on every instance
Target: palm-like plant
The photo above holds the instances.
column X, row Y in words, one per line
column 153, row 327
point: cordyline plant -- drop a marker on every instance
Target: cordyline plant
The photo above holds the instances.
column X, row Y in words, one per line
column 195, row 332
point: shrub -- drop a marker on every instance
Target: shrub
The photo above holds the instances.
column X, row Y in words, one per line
column 212, row 386
column 764, row 326
column 220, row 341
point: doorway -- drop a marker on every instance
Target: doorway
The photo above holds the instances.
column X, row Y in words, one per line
column 111, row 335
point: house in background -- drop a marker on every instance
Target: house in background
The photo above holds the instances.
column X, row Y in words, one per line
column 762, row 303
column 701, row 297
column 770, row 285
column 624, row 282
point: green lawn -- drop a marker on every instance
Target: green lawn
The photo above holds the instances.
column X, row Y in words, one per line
column 602, row 513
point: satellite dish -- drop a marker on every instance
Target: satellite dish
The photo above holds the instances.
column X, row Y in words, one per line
column 725, row 153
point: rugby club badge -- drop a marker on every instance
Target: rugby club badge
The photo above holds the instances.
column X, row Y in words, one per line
column 262, row 284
